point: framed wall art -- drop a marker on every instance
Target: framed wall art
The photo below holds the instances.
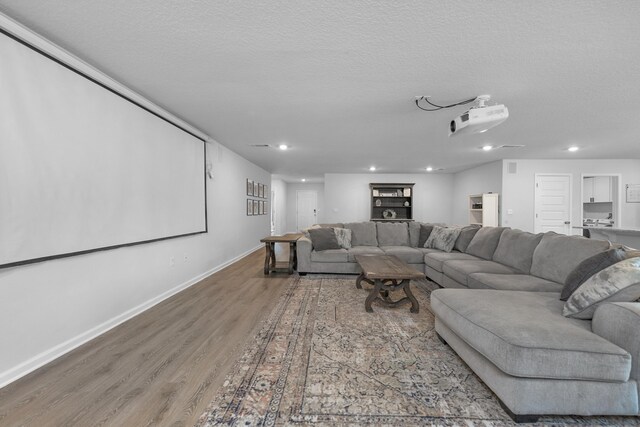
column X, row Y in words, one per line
column 249, row 206
column 249, row 187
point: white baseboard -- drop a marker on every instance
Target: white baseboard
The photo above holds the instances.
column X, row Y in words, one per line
column 53, row 353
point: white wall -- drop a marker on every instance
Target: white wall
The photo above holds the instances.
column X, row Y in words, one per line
column 480, row 179
column 348, row 198
column 292, row 189
column 49, row 308
column 518, row 190
column 279, row 201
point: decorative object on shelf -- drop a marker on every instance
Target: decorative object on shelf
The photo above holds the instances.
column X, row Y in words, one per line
column 400, row 192
column 378, row 202
column 249, row 187
column 375, row 193
column 406, row 204
column 389, row 214
column 407, row 192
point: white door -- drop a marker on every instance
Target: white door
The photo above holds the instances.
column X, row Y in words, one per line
column 553, row 203
column 306, row 208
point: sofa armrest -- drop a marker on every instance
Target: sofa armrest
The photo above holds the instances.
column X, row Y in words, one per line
column 619, row 323
column 303, row 250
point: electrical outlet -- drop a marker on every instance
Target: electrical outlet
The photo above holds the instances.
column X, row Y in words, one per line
column 172, row 261
column 186, row 257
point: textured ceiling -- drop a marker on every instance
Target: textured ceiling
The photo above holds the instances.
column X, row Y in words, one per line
column 336, row 79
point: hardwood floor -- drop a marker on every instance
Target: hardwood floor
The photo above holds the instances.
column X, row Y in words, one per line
column 160, row 368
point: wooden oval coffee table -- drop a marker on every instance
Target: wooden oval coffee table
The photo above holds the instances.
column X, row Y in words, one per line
column 387, row 273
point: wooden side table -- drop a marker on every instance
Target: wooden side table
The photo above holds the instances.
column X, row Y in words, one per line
column 270, row 256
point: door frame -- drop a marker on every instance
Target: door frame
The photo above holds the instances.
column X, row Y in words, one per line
column 315, row 192
column 535, row 199
column 618, row 220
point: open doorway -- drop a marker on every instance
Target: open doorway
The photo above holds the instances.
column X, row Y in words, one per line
column 601, row 200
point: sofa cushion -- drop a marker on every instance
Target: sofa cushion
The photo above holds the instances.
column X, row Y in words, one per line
column 466, row 235
column 511, row 282
column 414, row 233
column 484, row 243
column 330, row 255
column 323, row 239
column 436, row 259
column 405, row 253
column 362, row 250
column 393, row 234
column 442, row 238
column 588, row 268
column 525, row 335
column 617, row 283
column 362, row 233
column 515, row 249
column 459, row 270
column 558, row 255
column 425, row 232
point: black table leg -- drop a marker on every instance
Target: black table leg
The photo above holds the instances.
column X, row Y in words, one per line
column 373, row 295
column 267, row 257
column 273, row 256
column 292, row 256
column 415, row 307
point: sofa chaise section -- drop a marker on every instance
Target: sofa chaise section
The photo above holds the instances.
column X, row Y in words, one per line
column 538, row 361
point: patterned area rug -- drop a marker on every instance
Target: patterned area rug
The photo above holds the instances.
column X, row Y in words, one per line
column 320, row 359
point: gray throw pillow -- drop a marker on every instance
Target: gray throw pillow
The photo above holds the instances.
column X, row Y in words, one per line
column 588, row 268
column 344, row 237
column 323, row 239
column 425, row 232
column 617, row 283
column 466, row 234
column 442, row 238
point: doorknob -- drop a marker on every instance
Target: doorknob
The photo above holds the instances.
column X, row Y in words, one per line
column 567, row 222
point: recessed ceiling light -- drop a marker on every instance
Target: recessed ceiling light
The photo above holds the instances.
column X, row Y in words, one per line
column 429, row 169
column 372, row 168
column 573, row 148
column 487, row 147
column 283, row 146
column 304, row 179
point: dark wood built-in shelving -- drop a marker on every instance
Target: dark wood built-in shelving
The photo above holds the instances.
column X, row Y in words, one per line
column 389, row 198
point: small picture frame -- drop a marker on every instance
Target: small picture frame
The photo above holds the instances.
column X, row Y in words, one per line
column 261, row 207
column 255, row 207
column 249, row 187
column 260, row 190
column 250, row 205
column 256, row 190
column 266, row 207
column 266, row 191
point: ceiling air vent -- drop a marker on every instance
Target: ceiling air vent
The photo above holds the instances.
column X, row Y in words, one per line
column 259, row 145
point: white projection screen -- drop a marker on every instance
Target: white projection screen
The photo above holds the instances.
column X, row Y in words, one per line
column 83, row 168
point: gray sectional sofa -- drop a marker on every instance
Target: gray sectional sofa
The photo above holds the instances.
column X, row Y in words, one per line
column 499, row 309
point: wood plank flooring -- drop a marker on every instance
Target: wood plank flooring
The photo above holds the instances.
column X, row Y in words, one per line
column 160, row 368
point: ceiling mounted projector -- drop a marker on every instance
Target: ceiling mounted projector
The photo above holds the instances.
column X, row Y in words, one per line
column 479, row 119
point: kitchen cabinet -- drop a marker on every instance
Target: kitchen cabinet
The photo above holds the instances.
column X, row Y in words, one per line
column 596, row 189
